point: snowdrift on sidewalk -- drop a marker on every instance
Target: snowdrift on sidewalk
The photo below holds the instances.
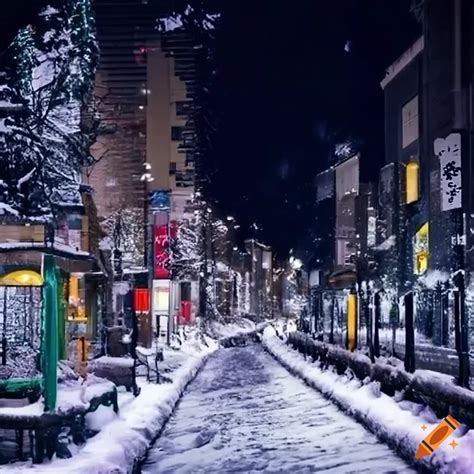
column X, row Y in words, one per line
column 397, row 423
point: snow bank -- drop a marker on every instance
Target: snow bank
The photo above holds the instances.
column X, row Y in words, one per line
column 397, row 423
column 127, row 436
column 223, row 330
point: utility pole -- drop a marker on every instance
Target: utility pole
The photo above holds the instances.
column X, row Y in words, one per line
column 460, row 124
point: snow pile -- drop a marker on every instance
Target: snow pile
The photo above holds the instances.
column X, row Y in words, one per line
column 76, row 395
column 433, row 278
column 99, row 418
column 125, row 437
column 239, row 327
column 397, row 423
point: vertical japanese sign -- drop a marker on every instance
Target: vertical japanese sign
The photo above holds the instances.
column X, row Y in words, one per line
column 164, row 233
column 160, row 246
column 448, row 151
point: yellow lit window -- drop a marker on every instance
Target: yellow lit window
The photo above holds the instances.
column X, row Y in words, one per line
column 22, row 278
column 412, row 180
column 421, row 250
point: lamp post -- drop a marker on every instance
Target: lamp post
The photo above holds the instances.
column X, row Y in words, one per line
column 147, row 178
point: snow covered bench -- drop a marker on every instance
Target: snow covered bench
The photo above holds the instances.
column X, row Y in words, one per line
column 119, row 370
column 149, row 360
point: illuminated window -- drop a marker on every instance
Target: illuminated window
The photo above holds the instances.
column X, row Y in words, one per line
column 410, row 122
column 421, row 250
column 22, row 278
column 161, row 298
column 412, row 181
column 77, row 297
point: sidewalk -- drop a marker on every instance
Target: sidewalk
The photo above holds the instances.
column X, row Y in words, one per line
column 395, row 421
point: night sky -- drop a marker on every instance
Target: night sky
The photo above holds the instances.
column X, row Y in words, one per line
column 286, row 91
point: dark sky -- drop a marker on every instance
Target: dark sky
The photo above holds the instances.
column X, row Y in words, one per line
column 287, row 90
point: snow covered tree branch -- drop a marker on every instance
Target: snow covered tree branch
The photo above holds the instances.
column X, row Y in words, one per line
column 46, row 136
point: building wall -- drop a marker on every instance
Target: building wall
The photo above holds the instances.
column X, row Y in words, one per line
column 438, row 121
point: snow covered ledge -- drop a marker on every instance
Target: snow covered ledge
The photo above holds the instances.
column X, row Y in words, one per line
column 396, row 423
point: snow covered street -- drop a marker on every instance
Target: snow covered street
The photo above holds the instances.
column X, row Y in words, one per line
column 244, row 413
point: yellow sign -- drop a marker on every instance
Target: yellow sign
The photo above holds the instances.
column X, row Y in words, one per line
column 352, row 322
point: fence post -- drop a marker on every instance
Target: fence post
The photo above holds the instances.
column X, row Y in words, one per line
column 377, row 324
column 409, row 333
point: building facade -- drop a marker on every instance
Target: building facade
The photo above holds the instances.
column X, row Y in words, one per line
column 144, row 173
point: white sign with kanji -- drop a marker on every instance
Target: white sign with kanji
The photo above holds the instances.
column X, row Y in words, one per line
column 448, row 151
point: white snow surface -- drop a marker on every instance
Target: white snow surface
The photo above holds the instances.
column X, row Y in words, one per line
column 398, row 423
column 222, row 330
column 245, row 413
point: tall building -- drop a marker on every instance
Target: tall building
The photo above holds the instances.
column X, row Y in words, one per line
column 144, row 176
column 426, row 194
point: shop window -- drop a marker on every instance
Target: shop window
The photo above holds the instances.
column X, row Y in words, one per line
column 410, row 129
column 77, row 298
column 421, row 250
column 412, row 181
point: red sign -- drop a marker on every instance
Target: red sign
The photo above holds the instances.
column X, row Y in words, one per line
column 141, row 300
column 163, row 234
column 185, row 313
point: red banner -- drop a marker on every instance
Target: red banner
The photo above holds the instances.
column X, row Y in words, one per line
column 141, row 300
column 185, row 313
column 162, row 236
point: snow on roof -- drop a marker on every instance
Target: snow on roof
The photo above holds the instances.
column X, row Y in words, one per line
column 403, row 61
column 42, row 246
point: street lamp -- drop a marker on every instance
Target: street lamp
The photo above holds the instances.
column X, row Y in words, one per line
column 147, row 178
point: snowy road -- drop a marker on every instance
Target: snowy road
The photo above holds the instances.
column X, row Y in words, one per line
column 245, row 413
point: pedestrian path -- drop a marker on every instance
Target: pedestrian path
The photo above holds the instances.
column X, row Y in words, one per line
column 245, row 413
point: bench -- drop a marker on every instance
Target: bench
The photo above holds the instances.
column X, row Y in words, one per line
column 119, row 370
column 150, row 362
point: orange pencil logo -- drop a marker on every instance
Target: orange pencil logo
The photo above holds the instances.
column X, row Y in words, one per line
column 436, row 438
